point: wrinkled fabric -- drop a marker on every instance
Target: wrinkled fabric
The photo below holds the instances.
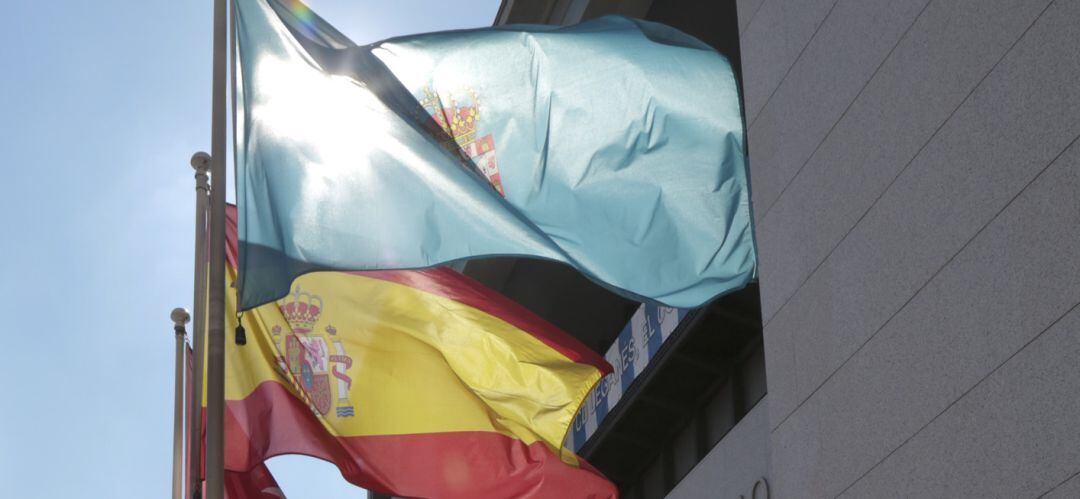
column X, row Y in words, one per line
column 614, row 146
column 416, row 383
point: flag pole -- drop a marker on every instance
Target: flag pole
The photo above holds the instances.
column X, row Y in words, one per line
column 179, row 317
column 215, row 345
column 200, row 161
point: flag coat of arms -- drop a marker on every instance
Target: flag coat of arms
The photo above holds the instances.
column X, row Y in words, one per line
column 614, row 146
column 414, row 383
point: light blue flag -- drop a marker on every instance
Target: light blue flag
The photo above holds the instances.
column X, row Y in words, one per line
column 614, row 146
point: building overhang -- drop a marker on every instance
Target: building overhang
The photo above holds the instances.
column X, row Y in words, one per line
column 566, row 11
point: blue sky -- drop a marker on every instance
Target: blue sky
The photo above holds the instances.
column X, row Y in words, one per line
column 101, row 105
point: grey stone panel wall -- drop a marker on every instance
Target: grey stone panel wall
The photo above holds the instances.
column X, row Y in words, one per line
column 1013, row 435
column 961, row 176
column 990, row 148
column 775, row 35
column 928, row 239
column 780, row 371
column 1070, row 489
column 1015, row 280
column 917, row 88
column 746, row 9
column 844, row 54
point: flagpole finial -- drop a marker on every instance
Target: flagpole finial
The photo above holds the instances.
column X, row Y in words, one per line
column 180, row 317
column 200, row 161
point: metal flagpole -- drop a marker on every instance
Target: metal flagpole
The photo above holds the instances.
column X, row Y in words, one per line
column 215, row 345
column 200, row 161
column 179, row 317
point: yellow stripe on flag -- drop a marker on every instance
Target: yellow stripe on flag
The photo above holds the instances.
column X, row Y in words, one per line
column 385, row 358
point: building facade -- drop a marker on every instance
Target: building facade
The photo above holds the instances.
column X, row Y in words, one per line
column 915, row 330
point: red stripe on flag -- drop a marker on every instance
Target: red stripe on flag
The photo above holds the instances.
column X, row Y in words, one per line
column 461, row 464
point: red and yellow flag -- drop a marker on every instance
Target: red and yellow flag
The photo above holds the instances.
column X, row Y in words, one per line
column 415, row 383
column 256, row 483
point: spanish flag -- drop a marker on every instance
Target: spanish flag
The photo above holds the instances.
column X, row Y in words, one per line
column 254, row 483
column 414, row 383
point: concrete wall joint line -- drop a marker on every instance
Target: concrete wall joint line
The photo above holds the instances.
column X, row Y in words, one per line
column 925, row 284
column 1055, row 487
column 929, row 140
column 752, row 17
column 961, row 397
column 751, row 121
column 847, row 108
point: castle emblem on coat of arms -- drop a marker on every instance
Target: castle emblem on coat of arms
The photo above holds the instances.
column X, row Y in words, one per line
column 314, row 357
column 459, row 119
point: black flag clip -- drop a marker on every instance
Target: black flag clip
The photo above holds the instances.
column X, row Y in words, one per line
column 241, row 335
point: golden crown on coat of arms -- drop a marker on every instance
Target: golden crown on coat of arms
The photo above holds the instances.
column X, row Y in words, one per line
column 301, row 310
column 458, row 120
